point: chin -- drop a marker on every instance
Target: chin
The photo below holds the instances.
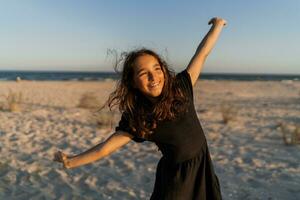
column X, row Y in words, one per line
column 153, row 94
column 156, row 96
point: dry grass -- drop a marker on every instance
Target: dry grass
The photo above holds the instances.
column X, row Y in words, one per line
column 105, row 118
column 290, row 133
column 2, row 106
column 89, row 100
column 12, row 101
column 228, row 111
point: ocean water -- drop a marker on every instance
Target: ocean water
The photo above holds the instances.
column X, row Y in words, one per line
column 56, row 75
column 99, row 76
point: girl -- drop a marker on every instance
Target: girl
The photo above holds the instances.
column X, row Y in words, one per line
column 158, row 106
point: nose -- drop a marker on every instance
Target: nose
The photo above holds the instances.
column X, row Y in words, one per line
column 150, row 76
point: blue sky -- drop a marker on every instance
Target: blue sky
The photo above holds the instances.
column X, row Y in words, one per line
column 261, row 36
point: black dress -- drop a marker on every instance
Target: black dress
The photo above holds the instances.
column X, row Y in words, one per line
column 185, row 171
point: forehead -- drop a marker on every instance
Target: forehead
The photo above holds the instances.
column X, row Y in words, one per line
column 145, row 61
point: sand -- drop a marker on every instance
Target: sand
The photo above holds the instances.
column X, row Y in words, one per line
column 250, row 157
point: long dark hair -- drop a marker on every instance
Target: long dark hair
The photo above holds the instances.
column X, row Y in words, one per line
column 141, row 114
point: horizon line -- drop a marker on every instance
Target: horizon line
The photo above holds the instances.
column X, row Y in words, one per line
column 113, row 72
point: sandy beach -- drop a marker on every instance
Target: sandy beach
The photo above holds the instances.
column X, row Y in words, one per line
column 249, row 154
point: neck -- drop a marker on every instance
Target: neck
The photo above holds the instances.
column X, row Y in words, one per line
column 148, row 100
column 153, row 100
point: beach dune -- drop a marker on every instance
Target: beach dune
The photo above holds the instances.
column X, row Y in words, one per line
column 241, row 120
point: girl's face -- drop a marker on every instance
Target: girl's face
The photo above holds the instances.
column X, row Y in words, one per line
column 148, row 76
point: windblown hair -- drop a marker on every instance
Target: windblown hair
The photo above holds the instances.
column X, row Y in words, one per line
column 141, row 114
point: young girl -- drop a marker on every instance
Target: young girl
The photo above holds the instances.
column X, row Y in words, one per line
column 158, row 106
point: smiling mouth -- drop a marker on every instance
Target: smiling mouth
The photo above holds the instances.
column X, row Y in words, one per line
column 154, row 85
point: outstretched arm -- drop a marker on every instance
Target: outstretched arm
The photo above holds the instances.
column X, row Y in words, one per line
column 195, row 66
column 114, row 142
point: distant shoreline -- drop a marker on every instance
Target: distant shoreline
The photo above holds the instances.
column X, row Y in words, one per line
column 100, row 76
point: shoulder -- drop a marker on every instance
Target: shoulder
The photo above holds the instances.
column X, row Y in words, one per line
column 124, row 126
column 183, row 80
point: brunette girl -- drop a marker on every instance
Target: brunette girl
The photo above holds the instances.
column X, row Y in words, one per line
column 158, row 106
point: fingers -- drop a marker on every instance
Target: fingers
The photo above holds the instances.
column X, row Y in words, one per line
column 218, row 20
column 62, row 158
column 59, row 157
column 211, row 20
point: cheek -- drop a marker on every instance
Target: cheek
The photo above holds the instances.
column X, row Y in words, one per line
column 161, row 74
column 140, row 82
column 163, row 78
column 164, row 81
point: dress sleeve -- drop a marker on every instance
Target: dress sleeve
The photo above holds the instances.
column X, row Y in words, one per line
column 184, row 80
column 124, row 126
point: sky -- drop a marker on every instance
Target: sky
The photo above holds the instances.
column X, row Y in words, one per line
column 262, row 36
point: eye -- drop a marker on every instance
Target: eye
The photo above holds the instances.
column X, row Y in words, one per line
column 142, row 74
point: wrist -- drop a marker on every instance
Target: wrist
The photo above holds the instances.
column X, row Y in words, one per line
column 67, row 163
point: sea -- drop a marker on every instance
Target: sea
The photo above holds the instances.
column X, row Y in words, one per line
column 100, row 76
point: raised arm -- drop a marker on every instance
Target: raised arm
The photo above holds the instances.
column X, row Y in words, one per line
column 195, row 65
column 114, row 142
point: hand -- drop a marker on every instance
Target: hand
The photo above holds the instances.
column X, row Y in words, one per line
column 217, row 20
column 63, row 158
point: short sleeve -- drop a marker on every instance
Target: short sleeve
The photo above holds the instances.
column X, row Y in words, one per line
column 124, row 126
column 184, row 80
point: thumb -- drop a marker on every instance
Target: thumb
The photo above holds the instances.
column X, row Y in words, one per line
column 211, row 21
